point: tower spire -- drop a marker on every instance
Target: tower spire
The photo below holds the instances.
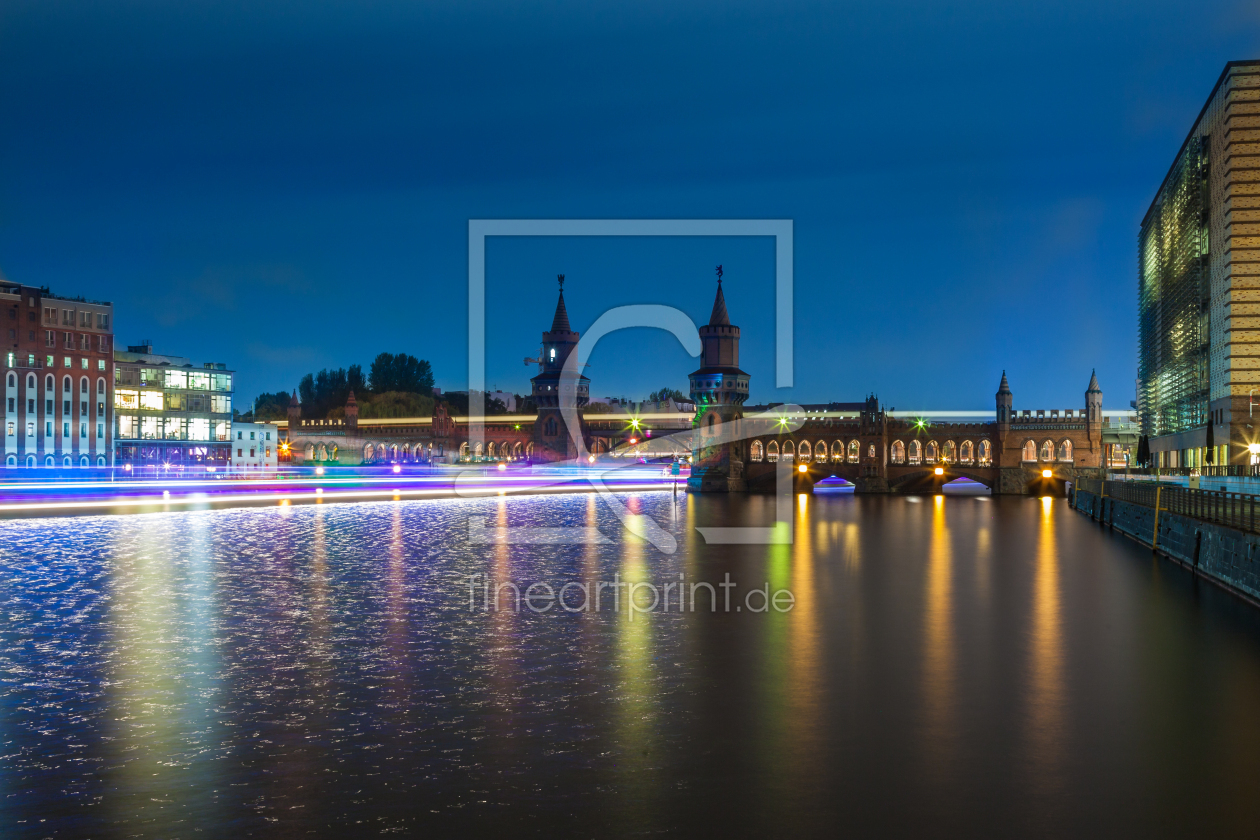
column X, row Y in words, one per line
column 719, row 316
column 560, row 323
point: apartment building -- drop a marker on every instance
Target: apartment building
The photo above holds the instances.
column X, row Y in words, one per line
column 58, row 379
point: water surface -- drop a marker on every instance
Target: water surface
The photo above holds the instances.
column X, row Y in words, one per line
column 950, row 666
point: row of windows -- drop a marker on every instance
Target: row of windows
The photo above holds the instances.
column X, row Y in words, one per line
column 81, row 318
column 11, row 429
column 131, row 427
column 914, row 453
column 50, row 461
column 84, row 409
column 1047, row 451
column 240, row 452
column 66, row 385
column 51, row 362
column 126, row 399
column 79, row 341
column 185, row 380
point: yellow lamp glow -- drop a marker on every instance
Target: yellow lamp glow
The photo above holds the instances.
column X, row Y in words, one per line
column 1253, row 448
column 1045, row 473
column 802, row 468
column 939, row 471
column 502, row 467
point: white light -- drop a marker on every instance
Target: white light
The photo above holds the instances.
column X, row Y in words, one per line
column 397, row 468
column 166, row 494
column 319, row 471
column 1253, row 448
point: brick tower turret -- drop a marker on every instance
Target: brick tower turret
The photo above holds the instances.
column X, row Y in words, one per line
column 719, row 389
column 552, row 441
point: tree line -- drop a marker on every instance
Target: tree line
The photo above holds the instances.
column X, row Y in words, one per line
column 396, row 385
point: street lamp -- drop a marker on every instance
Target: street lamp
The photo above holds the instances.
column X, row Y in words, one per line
column 939, row 471
column 1045, row 473
column 802, row 468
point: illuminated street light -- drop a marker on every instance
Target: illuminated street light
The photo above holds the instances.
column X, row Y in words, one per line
column 398, row 468
column 319, row 471
column 1253, row 448
column 1045, row 473
column 633, row 441
column 939, row 471
column 802, row 468
column 591, row 458
column 502, row 466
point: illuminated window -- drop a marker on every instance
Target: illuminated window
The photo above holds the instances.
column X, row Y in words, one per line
column 986, row 454
column 772, row 451
column 176, row 379
column 914, row 455
column 854, row 448
column 837, row 452
column 199, row 381
column 966, row 452
column 1030, row 451
column 1047, row 450
column 820, row 452
column 756, row 452
column 929, row 452
column 220, row 404
column 127, row 398
column 1065, row 450
column 100, row 431
column 100, row 363
column 151, row 428
column 176, row 428
column 11, row 427
column 898, row 452
column 804, row 451
column 151, row 400
column 30, row 430
column 789, row 450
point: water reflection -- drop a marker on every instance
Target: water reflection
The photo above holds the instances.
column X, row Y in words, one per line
column 314, row 670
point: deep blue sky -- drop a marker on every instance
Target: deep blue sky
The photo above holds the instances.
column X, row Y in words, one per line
column 285, row 186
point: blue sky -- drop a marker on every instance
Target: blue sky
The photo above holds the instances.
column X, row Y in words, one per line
column 286, row 186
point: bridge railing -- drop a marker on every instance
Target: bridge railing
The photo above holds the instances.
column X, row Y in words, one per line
column 1233, row 510
column 1212, row 471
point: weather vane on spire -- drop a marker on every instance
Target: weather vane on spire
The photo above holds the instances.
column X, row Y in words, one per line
column 719, row 273
column 560, row 277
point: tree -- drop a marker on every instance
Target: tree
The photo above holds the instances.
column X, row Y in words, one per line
column 668, row 394
column 326, row 390
column 401, row 372
column 271, row 406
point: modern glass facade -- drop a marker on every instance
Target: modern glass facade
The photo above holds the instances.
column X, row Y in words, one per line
column 170, row 414
column 1174, row 298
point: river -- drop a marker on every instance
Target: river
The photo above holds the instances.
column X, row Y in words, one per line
column 928, row 666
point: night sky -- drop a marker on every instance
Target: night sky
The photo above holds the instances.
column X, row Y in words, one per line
column 286, row 186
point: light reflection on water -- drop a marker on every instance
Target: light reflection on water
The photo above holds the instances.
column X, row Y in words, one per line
column 950, row 665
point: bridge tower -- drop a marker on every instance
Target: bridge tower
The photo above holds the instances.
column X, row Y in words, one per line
column 552, row 441
column 1005, row 408
column 294, row 411
column 1093, row 413
column 719, row 389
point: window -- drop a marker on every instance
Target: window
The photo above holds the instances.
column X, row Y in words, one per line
column 151, row 428
column 772, row 451
column 102, row 321
column 50, row 315
column 128, row 426
column 853, row 451
column 176, row 379
column 176, row 428
column 100, row 431
column 83, row 363
column 30, row 381
column 30, row 430
column 65, row 407
column 49, row 361
column 1030, row 451
column 100, row 408
column 175, row 402
column 199, row 428
column 85, row 319
column 65, row 430
column 1065, row 450
column 199, row 381
column 10, row 428
column 240, row 435
column 986, row 457
column 222, row 430
column 929, row 452
column 83, row 430
column 83, row 385
column 48, row 428
column 100, row 363
column 805, row 451
column 220, row 405
column 1047, row 450
column 12, row 406
column 251, row 453
column 126, row 398
column 100, row 386
column 240, row 453
column 30, row 406
column 151, row 400
column 67, row 317
column 65, row 361
column 914, row 455
column 251, row 435
column 223, row 382
column 151, row 377
column 898, row 452
column 68, row 341
column 48, row 406
column 269, row 436
column 756, row 452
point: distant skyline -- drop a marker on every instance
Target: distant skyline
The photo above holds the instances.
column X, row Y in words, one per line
column 286, row 187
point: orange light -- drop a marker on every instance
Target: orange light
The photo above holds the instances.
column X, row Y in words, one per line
column 634, row 440
column 802, row 468
column 502, row 467
column 939, row 471
column 1045, row 473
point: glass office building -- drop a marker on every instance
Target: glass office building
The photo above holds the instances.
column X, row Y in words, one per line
column 1199, row 285
column 170, row 414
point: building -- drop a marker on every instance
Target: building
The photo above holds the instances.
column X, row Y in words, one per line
column 171, row 415
column 719, row 389
column 550, row 389
column 58, row 379
column 1199, row 285
column 255, row 447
